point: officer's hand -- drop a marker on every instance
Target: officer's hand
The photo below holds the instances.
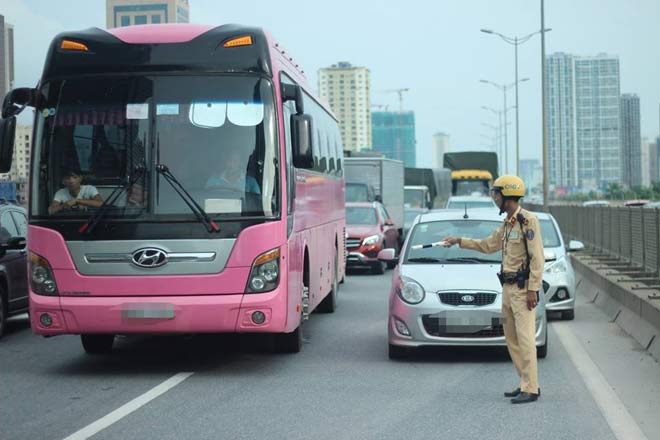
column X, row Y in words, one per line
column 452, row 241
column 531, row 299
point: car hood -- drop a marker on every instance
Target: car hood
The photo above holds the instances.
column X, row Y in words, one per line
column 362, row 230
column 436, row 277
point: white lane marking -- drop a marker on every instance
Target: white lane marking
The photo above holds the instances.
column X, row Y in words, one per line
column 617, row 416
column 128, row 408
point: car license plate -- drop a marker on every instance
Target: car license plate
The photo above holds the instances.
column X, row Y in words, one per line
column 459, row 321
column 147, row 311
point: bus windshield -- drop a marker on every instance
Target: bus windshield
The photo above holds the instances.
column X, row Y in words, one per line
column 214, row 133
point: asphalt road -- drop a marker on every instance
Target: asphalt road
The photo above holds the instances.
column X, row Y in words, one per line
column 341, row 386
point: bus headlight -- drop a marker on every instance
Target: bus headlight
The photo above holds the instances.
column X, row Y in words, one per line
column 42, row 280
column 265, row 273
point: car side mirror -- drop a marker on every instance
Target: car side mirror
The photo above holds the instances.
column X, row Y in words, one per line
column 378, row 198
column 301, row 140
column 574, row 246
column 387, row 255
column 7, row 135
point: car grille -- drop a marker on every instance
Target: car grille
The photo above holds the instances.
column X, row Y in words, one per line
column 352, row 243
column 433, row 328
column 458, row 299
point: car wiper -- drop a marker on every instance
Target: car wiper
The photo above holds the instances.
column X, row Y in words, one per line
column 424, row 260
column 199, row 212
column 94, row 219
column 471, row 260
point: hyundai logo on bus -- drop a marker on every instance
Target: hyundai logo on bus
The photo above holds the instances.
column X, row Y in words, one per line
column 149, row 257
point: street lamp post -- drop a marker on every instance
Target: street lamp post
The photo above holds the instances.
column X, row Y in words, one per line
column 515, row 41
column 504, row 88
column 500, row 135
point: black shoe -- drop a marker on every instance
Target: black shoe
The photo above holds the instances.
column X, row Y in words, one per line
column 515, row 393
column 524, row 397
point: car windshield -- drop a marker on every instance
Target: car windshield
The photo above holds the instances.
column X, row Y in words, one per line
column 214, row 133
column 433, row 232
column 356, row 193
column 361, row 216
column 470, row 204
column 549, row 234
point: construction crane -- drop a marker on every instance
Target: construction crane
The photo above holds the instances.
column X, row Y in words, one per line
column 380, row 106
column 400, row 93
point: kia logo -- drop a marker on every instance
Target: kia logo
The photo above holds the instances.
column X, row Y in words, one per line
column 149, row 257
column 467, row 298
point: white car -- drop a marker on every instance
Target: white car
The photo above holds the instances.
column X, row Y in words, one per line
column 558, row 277
column 449, row 296
column 470, row 202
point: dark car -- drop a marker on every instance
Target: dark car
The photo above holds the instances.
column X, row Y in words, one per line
column 369, row 229
column 13, row 263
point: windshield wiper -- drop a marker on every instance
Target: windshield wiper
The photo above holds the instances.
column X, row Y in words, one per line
column 472, row 260
column 94, row 220
column 424, row 260
column 199, row 212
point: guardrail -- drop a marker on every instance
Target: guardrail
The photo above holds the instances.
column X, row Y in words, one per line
column 625, row 239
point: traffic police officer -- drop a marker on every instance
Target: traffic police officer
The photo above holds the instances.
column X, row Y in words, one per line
column 519, row 238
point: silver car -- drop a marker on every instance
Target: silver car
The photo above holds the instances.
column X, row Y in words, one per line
column 449, row 296
column 558, row 277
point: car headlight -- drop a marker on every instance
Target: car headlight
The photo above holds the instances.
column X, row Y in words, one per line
column 42, row 280
column 265, row 273
column 558, row 266
column 371, row 240
column 410, row 291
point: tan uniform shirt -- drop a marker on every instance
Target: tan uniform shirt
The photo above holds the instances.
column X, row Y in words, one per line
column 509, row 238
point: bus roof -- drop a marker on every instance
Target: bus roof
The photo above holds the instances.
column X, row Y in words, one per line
column 160, row 47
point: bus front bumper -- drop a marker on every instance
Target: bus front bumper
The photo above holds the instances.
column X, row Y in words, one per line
column 227, row 313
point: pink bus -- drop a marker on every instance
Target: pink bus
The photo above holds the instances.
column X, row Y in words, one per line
column 183, row 180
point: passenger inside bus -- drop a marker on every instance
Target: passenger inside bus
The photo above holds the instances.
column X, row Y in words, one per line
column 75, row 196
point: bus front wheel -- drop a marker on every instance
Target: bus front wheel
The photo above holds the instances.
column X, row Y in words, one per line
column 97, row 344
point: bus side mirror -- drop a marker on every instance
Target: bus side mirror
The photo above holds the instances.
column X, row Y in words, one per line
column 16, row 100
column 7, row 134
column 291, row 92
column 301, row 141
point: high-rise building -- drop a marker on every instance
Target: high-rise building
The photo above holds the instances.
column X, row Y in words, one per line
column 20, row 164
column 583, row 121
column 6, row 57
column 346, row 88
column 440, row 147
column 393, row 134
column 529, row 171
column 645, row 162
column 653, row 161
column 120, row 13
column 631, row 141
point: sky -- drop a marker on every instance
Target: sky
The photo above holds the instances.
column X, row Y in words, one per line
column 434, row 48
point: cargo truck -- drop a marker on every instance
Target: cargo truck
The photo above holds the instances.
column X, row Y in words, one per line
column 472, row 172
column 385, row 176
column 430, row 184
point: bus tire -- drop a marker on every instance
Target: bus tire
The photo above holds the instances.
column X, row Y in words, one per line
column 97, row 344
column 329, row 303
column 289, row 342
